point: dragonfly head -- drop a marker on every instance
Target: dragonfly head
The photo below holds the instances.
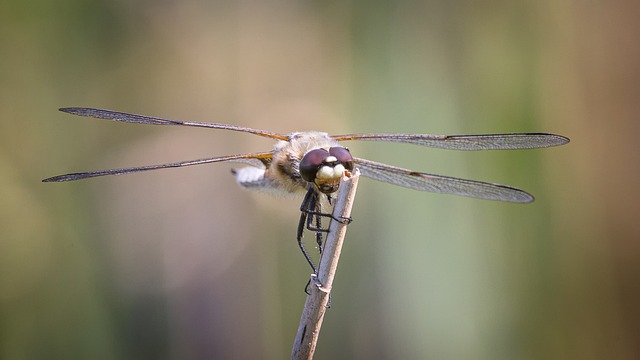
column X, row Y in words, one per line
column 325, row 166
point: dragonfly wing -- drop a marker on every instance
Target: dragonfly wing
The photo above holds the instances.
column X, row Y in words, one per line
column 265, row 158
column 467, row 142
column 441, row 184
column 150, row 120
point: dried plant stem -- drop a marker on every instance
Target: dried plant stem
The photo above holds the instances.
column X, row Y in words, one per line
column 320, row 288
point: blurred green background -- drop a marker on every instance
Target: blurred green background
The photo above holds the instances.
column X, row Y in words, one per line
column 182, row 264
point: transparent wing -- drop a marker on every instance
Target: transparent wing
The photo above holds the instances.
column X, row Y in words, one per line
column 441, row 184
column 467, row 142
column 150, row 120
column 265, row 158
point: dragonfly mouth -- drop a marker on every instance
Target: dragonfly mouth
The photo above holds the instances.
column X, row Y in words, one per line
column 328, row 176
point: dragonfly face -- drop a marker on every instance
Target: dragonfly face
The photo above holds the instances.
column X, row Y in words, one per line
column 307, row 160
column 314, row 161
column 324, row 167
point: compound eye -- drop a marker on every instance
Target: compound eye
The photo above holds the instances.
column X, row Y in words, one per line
column 343, row 155
column 311, row 162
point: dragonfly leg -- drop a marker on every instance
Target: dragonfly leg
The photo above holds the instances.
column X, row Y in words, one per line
column 318, row 225
column 301, row 223
column 310, row 201
column 311, row 218
column 312, row 207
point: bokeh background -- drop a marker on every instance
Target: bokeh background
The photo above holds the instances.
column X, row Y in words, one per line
column 182, row 264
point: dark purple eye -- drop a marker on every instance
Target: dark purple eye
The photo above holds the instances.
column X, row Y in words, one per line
column 343, row 155
column 311, row 162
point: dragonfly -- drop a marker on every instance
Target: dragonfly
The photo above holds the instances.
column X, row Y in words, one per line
column 312, row 163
